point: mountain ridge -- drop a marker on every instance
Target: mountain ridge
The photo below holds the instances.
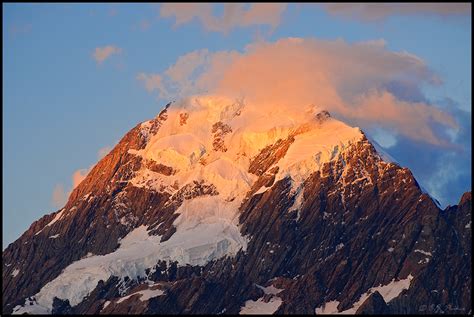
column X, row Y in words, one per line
column 275, row 203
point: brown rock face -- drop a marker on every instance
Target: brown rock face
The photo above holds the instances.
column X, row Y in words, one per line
column 375, row 304
column 269, row 156
column 220, row 130
column 446, row 283
column 160, row 168
column 360, row 223
column 183, row 117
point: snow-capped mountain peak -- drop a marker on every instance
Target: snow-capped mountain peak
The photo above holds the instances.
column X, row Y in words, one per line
column 226, row 195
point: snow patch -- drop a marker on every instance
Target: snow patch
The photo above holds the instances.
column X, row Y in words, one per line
column 270, row 289
column 206, row 230
column 388, row 292
column 56, row 218
column 310, row 150
column 32, row 308
column 423, row 252
column 297, row 203
column 144, row 295
column 328, row 308
column 424, row 261
column 262, row 190
column 107, row 303
column 15, row 272
column 180, row 151
column 260, row 306
column 86, row 196
column 135, row 254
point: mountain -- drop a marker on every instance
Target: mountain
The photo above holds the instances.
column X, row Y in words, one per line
column 216, row 206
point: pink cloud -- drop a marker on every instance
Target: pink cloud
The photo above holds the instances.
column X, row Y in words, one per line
column 234, row 15
column 103, row 53
column 59, row 196
column 151, row 81
column 241, row 15
column 378, row 11
column 350, row 80
column 78, row 176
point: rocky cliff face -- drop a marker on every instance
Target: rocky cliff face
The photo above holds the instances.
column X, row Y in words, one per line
column 214, row 211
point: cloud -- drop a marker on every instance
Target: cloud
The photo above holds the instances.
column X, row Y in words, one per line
column 152, row 81
column 384, row 137
column 412, row 119
column 379, row 11
column 184, row 72
column 102, row 53
column 444, row 173
column 356, row 82
column 59, row 196
column 78, row 176
column 233, row 15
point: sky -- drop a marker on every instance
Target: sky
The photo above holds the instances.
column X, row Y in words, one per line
column 77, row 77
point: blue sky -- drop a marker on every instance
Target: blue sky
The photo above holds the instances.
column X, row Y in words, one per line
column 61, row 106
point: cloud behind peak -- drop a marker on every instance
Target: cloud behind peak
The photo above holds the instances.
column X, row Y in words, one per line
column 354, row 81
